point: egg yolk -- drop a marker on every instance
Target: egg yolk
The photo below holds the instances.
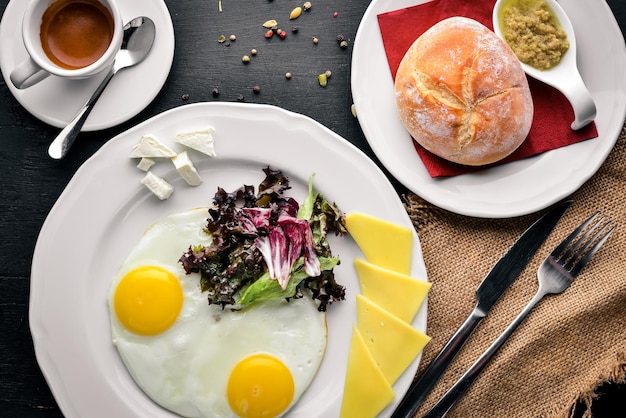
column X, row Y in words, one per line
column 148, row 300
column 260, row 386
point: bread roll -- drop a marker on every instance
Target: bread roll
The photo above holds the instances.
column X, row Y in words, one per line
column 462, row 94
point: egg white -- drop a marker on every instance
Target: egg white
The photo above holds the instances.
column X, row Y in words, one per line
column 186, row 368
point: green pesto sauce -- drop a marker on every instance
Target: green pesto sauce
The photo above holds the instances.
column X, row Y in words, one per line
column 533, row 32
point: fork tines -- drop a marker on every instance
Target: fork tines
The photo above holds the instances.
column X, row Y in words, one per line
column 573, row 257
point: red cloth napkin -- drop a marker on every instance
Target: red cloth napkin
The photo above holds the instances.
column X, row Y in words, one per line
column 553, row 114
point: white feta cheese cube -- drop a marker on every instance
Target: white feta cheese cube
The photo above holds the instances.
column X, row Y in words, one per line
column 199, row 140
column 157, row 185
column 145, row 163
column 186, row 169
column 149, row 146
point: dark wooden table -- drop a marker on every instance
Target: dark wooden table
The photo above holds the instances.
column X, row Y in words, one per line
column 31, row 181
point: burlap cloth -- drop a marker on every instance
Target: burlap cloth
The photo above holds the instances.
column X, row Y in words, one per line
column 568, row 345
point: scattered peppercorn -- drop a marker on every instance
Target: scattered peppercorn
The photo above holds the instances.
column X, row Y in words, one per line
column 328, row 73
column 306, row 6
column 232, row 38
column 253, row 52
column 294, row 29
column 269, row 34
column 343, row 44
column 335, row 14
column 185, row 97
column 282, row 34
column 256, row 89
column 315, row 41
column 245, row 59
column 279, row 31
column 215, row 92
column 340, row 38
column 288, row 76
column 240, row 98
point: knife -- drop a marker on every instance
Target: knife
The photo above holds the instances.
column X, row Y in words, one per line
column 502, row 274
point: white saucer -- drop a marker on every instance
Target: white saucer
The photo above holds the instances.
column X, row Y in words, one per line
column 55, row 101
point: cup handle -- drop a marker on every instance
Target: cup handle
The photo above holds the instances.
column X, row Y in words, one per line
column 27, row 74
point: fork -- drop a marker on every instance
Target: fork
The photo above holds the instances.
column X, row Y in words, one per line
column 555, row 274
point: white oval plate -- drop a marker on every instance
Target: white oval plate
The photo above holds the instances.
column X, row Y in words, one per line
column 55, row 101
column 104, row 210
column 516, row 188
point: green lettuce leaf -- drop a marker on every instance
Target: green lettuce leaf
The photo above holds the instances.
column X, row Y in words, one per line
column 266, row 288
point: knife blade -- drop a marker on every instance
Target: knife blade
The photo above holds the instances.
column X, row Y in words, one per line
column 502, row 274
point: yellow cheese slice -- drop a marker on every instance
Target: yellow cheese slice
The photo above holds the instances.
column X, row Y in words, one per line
column 398, row 293
column 394, row 344
column 366, row 391
column 383, row 243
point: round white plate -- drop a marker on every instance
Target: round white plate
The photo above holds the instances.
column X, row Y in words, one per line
column 513, row 189
column 55, row 101
column 104, row 211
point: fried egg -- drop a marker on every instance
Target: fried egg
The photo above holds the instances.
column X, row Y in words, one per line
column 202, row 361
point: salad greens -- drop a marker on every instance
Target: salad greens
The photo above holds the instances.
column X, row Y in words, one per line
column 266, row 246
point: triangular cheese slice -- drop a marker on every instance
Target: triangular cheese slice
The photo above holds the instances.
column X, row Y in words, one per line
column 399, row 294
column 199, row 140
column 383, row 243
column 366, row 391
column 149, row 146
column 394, row 344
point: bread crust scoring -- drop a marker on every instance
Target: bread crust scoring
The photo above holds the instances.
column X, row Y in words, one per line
column 462, row 93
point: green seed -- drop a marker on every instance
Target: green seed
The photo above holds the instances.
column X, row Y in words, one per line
column 322, row 79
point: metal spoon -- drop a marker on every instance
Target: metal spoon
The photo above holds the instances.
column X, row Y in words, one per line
column 139, row 36
column 565, row 76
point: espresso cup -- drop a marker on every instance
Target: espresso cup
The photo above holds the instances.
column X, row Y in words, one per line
column 72, row 39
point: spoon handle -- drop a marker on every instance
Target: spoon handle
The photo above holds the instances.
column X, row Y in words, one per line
column 62, row 143
column 581, row 101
